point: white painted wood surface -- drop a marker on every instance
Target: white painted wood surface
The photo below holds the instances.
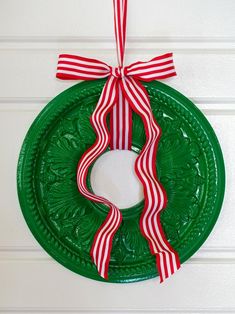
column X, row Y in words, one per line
column 32, row 33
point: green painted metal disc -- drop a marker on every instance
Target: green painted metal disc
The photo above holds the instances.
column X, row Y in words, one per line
column 189, row 165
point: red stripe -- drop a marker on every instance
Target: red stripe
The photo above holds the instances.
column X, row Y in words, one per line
column 63, row 76
column 120, row 43
column 121, row 121
column 80, row 72
column 117, row 123
column 123, row 131
column 124, row 126
column 130, row 127
column 109, row 247
column 80, row 58
column 124, row 23
column 103, row 237
column 160, row 77
column 162, row 57
column 151, row 71
column 111, row 129
column 146, row 66
column 97, row 67
column 97, row 234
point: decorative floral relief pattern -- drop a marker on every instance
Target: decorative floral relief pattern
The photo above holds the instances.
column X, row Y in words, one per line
column 72, row 217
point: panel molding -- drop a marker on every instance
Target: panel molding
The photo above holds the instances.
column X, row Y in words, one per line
column 141, row 43
column 210, row 255
column 95, row 39
column 209, row 105
column 32, row 310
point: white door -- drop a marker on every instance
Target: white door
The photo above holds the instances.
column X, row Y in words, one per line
column 32, row 34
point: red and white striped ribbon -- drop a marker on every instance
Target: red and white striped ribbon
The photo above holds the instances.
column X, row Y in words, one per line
column 121, row 114
column 121, row 94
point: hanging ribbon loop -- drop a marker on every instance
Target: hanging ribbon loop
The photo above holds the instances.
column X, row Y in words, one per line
column 122, row 93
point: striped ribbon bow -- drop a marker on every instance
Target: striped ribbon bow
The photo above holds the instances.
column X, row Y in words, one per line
column 121, row 94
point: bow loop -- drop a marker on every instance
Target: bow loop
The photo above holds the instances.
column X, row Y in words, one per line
column 158, row 68
column 72, row 67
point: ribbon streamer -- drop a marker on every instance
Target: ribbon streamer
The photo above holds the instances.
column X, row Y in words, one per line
column 122, row 93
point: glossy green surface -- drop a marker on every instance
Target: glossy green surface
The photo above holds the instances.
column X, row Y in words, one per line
column 189, row 164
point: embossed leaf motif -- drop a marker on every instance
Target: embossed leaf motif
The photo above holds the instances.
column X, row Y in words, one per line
column 86, row 229
column 62, row 207
column 62, row 200
column 129, row 244
column 120, row 249
column 78, row 224
column 181, row 178
column 62, row 153
column 68, row 132
column 84, row 127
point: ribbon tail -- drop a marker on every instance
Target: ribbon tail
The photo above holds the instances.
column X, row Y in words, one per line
column 155, row 196
column 162, row 261
column 102, row 243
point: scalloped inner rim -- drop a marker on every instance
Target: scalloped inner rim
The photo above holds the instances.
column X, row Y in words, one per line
column 113, row 177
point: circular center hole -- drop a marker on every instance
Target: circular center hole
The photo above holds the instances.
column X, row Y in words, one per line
column 113, row 177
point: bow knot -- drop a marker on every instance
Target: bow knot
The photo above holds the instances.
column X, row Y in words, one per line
column 118, row 72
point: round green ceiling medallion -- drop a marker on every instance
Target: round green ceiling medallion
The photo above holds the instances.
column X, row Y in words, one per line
column 189, row 165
